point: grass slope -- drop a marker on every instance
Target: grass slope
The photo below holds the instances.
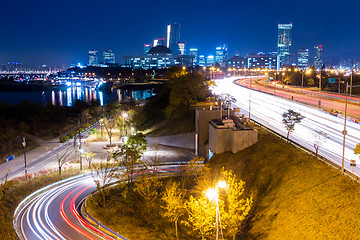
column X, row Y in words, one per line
column 295, row 195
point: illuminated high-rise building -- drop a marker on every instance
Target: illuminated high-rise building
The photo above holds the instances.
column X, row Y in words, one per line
column 109, row 56
column 147, row 48
column 210, row 60
column 221, row 53
column 182, row 48
column 284, row 45
column 318, row 57
column 173, row 37
column 202, row 61
column 194, row 53
column 303, row 58
column 93, row 58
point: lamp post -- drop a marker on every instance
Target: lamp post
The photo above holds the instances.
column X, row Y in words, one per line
column 24, row 146
column 320, row 89
column 213, row 195
column 344, row 132
column 250, row 94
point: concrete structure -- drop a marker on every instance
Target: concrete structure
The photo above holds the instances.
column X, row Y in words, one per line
column 213, row 136
column 230, row 136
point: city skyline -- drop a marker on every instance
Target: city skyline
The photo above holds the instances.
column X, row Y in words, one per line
column 45, row 36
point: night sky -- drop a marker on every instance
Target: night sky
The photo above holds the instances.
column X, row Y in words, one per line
column 61, row 32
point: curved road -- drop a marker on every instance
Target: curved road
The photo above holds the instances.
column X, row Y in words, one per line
column 54, row 211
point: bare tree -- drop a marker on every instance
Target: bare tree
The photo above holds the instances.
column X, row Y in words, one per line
column 109, row 125
column 319, row 137
column 103, row 176
column 63, row 158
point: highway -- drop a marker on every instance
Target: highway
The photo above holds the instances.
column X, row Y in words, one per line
column 267, row 109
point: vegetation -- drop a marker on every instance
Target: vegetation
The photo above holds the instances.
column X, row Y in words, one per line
column 158, row 203
column 45, row 122
column 14, row 191
column 290, row 118
column 170, row 111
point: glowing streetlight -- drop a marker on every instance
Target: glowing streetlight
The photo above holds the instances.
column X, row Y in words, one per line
column 213, row 195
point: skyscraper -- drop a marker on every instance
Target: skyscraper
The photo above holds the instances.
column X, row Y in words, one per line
column 182, row 48
column 303, row 58
column 284, row 44
column 173, row 37
column 202, row 61
column 210, row 60
column 147, row 48
column 109, row 56
column 221, row 53
column 93, row 58
column 318, row 57
column 194, row 53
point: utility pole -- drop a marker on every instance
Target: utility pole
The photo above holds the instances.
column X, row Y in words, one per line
column 344, row 132
column 24, row 146
column 250, row 96
column 351, row 80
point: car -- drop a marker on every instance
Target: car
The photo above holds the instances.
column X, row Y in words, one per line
column 9, row 158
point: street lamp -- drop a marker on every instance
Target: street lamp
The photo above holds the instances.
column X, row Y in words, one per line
column 24, row 146
column 344, row 132
column 213, row 195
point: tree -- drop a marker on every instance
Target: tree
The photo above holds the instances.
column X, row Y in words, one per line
column 109, row 125
column 319, row 137
column 310, row 82
column 290, row 118
column 190, row 171
column 129, row 154
column 201, row 215
column 185, row 89
column 4, row 186
column 63, row 158
column 103, row 175
column 147, row 187
column 89, row 156
column 236, row 206
column 357, row 149
column 173, row 204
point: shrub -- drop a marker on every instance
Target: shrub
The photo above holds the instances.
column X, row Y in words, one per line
column 64, row 139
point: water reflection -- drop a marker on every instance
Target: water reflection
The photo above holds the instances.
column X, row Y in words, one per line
column 68, row 96
column 134, row 95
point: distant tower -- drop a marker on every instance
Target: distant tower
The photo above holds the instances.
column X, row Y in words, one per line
column 147, row 48
column 284, row 44
column 173, row 37
column 303, row 58
column 93, row 58
column 221, row 53
column 202, row 61
column 194, row 53
column 210, row 60
column 182, row 48
column 318, row 57
column 109, row 56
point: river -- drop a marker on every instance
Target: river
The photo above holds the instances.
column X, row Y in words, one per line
column 67, row 96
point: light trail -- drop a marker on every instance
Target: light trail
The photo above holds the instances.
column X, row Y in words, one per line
column 268, row 109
